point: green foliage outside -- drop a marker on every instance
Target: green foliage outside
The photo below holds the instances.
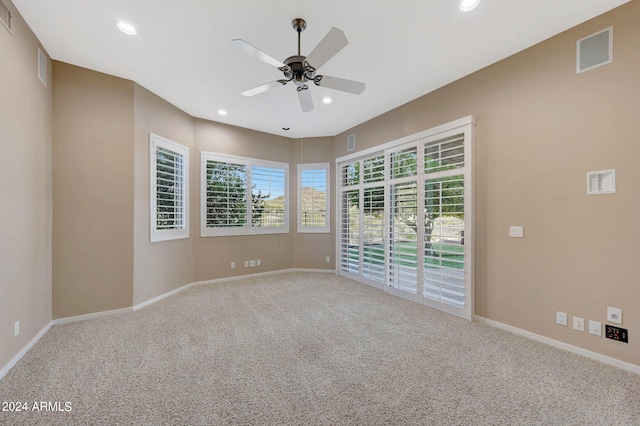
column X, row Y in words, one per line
column 227, row 196
column 444, row 197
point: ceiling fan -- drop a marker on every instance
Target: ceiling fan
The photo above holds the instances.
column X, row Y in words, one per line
column 302, row 69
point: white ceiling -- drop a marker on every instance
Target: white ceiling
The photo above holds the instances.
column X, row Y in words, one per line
column 401, row 49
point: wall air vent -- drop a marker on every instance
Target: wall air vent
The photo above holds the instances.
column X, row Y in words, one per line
column 42, row 67
column 595, row 50
column 351, row 142
column 5, row 16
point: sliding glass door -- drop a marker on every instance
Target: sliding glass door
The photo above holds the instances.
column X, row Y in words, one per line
column 405, row 220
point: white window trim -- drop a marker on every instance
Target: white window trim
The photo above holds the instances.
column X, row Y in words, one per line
column 314, row 229
column 156, row 235
column 245, row 230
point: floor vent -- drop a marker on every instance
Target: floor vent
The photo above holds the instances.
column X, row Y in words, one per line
column 351, row 142
column 595, row 50
column 5, row 16
column 42, row 67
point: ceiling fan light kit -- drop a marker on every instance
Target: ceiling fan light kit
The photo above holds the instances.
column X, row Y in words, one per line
column 301, row 69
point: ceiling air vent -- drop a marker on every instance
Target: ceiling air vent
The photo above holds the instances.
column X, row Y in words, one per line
column 351, row 142
column 595, row 50
column 5, row 16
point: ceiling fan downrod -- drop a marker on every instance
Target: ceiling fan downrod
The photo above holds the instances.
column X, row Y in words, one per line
column 299, row 25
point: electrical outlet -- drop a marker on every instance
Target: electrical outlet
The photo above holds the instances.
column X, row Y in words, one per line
column 561, row 318
column 233, row 265
column 614, row 315
column 246, row 263
column 578, row 323
column 258, row 262
column 595, row 328
column 16, row 328
column 328, row 259
column 252, row 263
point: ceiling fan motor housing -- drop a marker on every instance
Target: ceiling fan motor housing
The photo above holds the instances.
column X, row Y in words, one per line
column 297, row 69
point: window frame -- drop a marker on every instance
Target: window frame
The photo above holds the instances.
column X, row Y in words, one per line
column 326, row 229
column 350, row 265
column 248, row 229
column 155, row 234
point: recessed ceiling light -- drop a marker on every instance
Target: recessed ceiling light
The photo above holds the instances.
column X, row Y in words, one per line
column 222, row 112
column 327, row 100
column 467, row 5
column 126, row 28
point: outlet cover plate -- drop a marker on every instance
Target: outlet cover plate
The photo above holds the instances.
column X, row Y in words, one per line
column 578, row 323
column 614, row 315
column 595, row 328
column 561, row 318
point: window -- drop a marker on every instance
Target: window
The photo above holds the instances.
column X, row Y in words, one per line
column 405, row 217
column 313, row 197
column 169, row 189
column 243, row 196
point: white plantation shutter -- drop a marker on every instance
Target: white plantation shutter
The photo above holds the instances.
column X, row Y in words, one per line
column 446, row 154
column 313, row 198
column 444, row 254
column 169, row 189
column 350, row 232
column 405, row 220
column 403, row 242
column 268, row 183
column 373, row 265
column 243, row 196
column 349, row 242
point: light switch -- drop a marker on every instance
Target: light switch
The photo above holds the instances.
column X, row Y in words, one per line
column 516, row 232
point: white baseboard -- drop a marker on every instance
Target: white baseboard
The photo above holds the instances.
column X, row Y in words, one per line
column 91, row 316
column 24, row 350
column 561, row 345
column 162, row 296
column 261, row 274
column 322, row 271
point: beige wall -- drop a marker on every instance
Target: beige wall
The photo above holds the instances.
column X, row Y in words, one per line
column 93, row 191
column 540, row 128
column 311, row 250
column 25, row 173
column 100, row 267
column 161, row 266
column 213, row 255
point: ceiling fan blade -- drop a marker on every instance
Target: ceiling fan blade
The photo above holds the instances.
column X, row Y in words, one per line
column 256, row 53
column 304, row 96
column 350, row 86
column 329, row 46
column 263, row 88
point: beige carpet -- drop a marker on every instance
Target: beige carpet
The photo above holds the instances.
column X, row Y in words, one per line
column 308, row 348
